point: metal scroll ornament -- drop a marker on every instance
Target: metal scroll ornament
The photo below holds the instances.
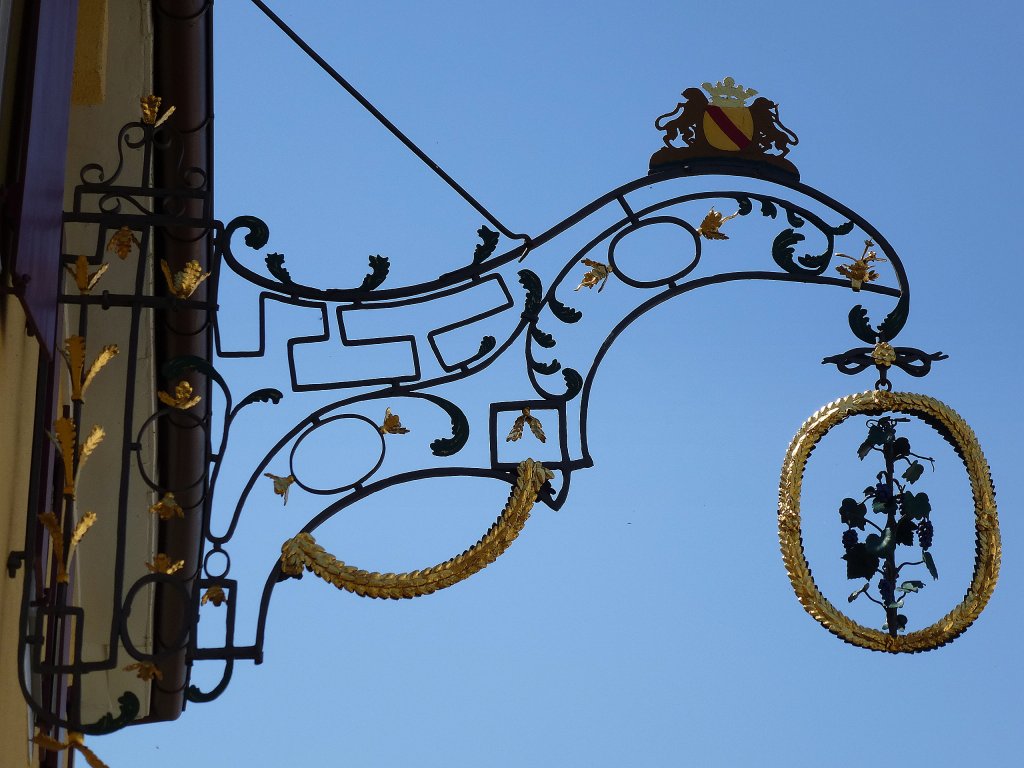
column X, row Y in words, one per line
column 949, row 424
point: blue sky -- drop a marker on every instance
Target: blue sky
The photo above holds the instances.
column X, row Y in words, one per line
column 650, row 620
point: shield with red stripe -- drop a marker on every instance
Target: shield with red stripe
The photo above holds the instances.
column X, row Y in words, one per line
column 728, row 128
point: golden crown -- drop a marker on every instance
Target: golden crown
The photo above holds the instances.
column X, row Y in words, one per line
column 726, row 93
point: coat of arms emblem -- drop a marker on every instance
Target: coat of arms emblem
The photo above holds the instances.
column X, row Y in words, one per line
column 720, row 124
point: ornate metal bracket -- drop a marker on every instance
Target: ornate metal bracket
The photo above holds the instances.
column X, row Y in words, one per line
column 707, row 138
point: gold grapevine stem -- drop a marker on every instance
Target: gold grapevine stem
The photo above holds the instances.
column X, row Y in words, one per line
column 302, row 552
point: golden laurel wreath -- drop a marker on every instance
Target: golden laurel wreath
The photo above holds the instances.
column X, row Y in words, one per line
column 955, row 430
column 302, row 551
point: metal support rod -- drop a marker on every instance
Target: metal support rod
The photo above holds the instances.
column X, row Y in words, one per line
column 388, row 124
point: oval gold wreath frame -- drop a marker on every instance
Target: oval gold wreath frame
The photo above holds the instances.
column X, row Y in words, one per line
column 955, row 430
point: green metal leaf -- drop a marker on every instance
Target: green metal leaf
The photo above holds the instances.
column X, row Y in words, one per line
column 546, row 368
column 745, row 205
column 379, row 266
column 911, row 586
column 275, row 265
column 843, row 229
column 782, row 250
column 900, row 447
column 913, row 473
column 905, row 528
column 487, row 343
column 573, row 383
column 793, row 219
column 881, row 546
column 860, row 564
column 489, row 239
column 929, row 563
column 564, row 313
column 545, row 340
column 894, row 321
column 854, row 595
column 915, row 505
column 129, row 710
column 267, row 395
column 768, row 209
column 853, row 513
column 860, row 325
column 533, row 286
column 448, row 446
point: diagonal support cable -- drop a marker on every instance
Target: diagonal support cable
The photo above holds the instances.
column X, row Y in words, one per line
column 387, row 123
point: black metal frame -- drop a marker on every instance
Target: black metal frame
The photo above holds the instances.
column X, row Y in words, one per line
column 147, row 210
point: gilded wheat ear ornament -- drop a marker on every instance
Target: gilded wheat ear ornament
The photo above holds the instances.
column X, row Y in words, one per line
column 52, row 525
column 150, row 106
column 74, row 356
column 84, row 279
column 525, row 419
column 184, row 282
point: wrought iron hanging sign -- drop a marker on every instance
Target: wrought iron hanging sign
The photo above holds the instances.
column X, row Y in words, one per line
column 713, row 133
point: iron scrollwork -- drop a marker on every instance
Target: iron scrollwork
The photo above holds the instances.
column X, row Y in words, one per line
column 548, row 407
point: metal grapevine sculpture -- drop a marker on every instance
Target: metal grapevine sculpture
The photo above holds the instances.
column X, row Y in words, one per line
column 709, row 136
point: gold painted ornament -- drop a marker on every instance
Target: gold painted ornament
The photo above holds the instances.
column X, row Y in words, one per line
column 301, row 552
column 598, row 275
column 525, row 419
column 214, row 595
column 167, row 507
column 860, row 270
column 145, row 670
column 121, row 242
column 951, row 426
column 392, row 424
column 184, row 283
column 75, row 743
column 709, row 228
column 163, row 564
column 84, row 279
column 80, row 376
column 150, row 106
column 281, row 484
column 182, row 398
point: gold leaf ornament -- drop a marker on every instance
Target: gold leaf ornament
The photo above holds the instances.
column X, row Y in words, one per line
column 392, row 424
column 182, row 398
column 883, row 354
column 598, row 275
column 75, row 743
column 860, row 270
column 215, row 595
column 65, row 437
column 151, row 108
column 145, row 670
column 80, row 376
column 121, row 242
column 84, row 279
column 167, row 507
column 163, row 564
column 281, row 484
column 53, row 527
column 184, row 283
column 523, row 420
column 709, row 228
